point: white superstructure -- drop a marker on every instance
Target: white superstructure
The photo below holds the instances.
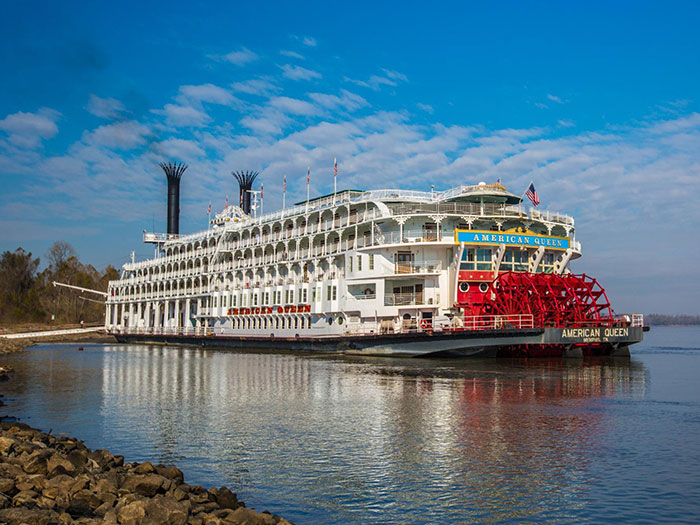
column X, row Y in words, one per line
column 357, row 262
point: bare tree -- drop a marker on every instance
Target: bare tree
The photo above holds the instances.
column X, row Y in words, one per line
column 59, row 253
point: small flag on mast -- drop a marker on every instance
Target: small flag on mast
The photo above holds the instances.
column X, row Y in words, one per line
column 226, row 201
column 209, row 208
column 335, row 167
column 308, row 175
column 284, row 185
column 532, row 195
column 261, row 190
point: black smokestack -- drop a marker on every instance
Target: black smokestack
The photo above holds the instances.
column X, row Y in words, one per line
column 174, row 172
column 245, row 182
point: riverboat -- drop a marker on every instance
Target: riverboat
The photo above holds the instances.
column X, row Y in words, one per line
column 469, row 271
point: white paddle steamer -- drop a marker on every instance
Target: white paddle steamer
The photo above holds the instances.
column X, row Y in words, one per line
column 466, row 271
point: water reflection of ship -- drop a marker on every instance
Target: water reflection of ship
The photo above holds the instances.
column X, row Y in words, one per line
column 503, row 438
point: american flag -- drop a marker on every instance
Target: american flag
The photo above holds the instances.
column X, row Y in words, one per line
column 284, row 185
column 532, row 195
column 335, row 167
column 226, row 201
column 308, row 175
column 261, row 190
column 209, row 208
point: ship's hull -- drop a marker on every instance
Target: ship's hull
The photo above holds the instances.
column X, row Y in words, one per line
column 533, row 342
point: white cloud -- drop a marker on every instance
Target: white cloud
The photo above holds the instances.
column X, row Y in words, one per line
column 299, row 73
column 293, row 106
column 554, row 98
column 267, row 123
column 26, row 130
column 375, row 82
column 262, row 86
column 206, row 93
column 180, row 149
column 291, row 54
column 241, row 57
column 108, row 108
column 309, row 41
column 183, row 116
column 426, row 107
column 395, row 75
column 120, row 135
column 565, row 123
column 349, row 101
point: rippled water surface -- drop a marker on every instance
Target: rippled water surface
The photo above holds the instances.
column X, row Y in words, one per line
column 337, row 440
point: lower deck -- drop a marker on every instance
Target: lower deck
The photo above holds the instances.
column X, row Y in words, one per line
column 505, row 342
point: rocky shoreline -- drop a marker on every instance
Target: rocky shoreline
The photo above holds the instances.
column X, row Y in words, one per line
column 46, row 479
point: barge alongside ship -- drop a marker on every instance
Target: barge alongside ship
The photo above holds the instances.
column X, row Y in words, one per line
column 466, row 271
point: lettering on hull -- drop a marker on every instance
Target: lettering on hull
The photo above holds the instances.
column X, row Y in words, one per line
column 597, row 334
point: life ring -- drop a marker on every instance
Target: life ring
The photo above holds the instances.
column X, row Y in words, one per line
column 424, row 324
column 368, row 291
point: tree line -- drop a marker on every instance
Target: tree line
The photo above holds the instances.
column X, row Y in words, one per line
column 667, row 320
column 27, row 295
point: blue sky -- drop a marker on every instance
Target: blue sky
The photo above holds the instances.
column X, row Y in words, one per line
column 596, row 103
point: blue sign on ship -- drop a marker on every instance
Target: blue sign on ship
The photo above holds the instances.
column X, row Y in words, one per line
column 511, row 239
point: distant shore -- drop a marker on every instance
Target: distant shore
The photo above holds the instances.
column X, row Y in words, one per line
column 48, row 479
column 672, row 320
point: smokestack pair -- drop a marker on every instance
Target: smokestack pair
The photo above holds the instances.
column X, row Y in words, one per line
column 173, row 172
column 245, row 183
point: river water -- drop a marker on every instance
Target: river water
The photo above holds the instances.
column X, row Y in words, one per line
column 337, row 440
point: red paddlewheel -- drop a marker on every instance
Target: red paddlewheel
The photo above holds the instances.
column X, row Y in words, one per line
column 551, row 299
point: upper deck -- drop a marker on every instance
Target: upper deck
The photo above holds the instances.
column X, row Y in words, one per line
column 469, row 203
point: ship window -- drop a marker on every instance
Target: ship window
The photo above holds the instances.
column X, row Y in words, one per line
column 547, row 263
column 303, row 295
column 359, row 263
column 335, row 292
column 464, row 287
column 468, row 258
column 255, row 299
column 520, row 260
column 483, row 287
column 350, row 262
column 340, row 320
column 483, row 259
column 507, row 262
column 371, row 261
column 330, row 320
column 328, row 292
